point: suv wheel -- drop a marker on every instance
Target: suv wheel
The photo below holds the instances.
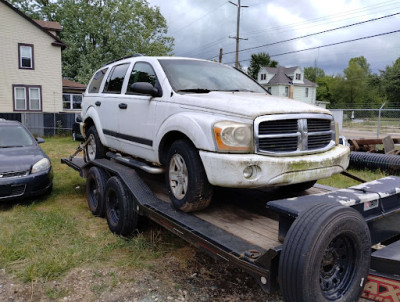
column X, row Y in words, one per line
column 188, row 187
column 94, row 149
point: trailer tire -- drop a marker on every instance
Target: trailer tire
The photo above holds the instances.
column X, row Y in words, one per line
column 187, row 183
column 95, row 188
column 325, row 255
column 122, row 219
column 94, row 149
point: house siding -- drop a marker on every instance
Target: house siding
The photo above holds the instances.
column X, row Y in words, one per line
column 15, row 29
column 299, row 93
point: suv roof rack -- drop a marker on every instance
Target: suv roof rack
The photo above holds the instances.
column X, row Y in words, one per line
column 126, row 57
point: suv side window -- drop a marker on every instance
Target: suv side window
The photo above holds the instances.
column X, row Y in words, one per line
column 142, row 72
column 116, row 79
column 96, row 81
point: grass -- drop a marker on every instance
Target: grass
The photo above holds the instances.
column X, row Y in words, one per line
column 341, row 181
column 44, row 238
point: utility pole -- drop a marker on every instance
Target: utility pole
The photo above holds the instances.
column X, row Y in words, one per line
column 237, row 31
column 220, row 55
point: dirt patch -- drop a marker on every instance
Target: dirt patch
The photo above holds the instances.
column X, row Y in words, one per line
column 171, row 279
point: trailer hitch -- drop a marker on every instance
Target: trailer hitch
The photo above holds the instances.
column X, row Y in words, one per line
column 81, row 148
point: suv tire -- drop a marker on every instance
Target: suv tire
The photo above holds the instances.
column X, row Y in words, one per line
column 94, row 149
column 187, row 183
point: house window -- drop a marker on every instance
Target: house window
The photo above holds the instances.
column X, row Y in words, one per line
column 25, row 56
column 298, row 76
column 263, row 76
column 286, row 91
column 34, row 99
column 72, row 101
column 27, row 98
column 269, row 89
column 306, row 92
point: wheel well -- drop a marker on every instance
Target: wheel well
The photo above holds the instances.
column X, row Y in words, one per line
column 166, row 143
column 88, row 123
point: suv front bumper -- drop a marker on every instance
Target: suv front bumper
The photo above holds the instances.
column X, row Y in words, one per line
column 233, row 170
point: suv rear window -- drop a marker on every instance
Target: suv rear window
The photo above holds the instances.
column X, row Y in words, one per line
column 96, row 81
column 116, row 79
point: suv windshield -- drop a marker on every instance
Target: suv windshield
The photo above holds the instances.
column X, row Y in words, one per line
column 203, row 76
column 14, row 136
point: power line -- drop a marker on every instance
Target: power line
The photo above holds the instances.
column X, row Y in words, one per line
column 314, row 34
column 198, row 50
column 323, row 18
column 328, row 45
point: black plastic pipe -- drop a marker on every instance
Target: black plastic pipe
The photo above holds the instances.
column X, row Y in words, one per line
column 373, row 161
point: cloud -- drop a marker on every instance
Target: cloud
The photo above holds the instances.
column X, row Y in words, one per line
column 201, row 28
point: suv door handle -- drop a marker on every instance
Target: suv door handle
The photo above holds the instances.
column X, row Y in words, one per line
column 123, row 106
column 98, row 103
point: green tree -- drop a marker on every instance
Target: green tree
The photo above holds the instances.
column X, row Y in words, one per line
column 354, row 89
column 313, row 73
column 390, row 78
column 99, row 31
column 259, row 60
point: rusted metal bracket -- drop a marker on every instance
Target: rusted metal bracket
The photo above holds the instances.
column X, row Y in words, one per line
column 353, row 177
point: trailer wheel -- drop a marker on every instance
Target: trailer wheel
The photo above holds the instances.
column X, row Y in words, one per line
column 94, row 149
column 121, row 217
column 325, row 255
column 187, row 183
column 95, row 187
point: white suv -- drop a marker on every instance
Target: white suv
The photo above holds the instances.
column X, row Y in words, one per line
column 207, row 124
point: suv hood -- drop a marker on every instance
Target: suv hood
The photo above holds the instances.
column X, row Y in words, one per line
column 246, row 104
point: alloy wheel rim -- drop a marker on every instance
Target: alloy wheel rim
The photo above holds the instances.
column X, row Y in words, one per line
column 91, row 148
column 178, row 176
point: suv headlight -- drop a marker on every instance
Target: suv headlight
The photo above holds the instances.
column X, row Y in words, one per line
column 41, row 165
column 233, row 136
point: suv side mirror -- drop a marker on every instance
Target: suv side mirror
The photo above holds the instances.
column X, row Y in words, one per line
column 144, row 88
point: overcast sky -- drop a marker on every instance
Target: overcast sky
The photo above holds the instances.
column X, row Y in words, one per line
column 202, row 27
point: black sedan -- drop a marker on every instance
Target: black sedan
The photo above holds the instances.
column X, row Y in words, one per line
column 25, row 170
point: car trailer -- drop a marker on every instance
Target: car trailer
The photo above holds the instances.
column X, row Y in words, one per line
column 325, row 245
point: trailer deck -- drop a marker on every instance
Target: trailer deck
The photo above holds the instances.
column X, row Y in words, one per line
column 247, row 227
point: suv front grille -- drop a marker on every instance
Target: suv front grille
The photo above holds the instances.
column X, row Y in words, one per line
column 289, row 134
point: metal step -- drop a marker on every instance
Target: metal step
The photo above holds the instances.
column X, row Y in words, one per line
column 134, row 163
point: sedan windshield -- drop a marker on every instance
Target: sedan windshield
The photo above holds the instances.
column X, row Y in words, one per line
column 14, row 136
column 195, row 76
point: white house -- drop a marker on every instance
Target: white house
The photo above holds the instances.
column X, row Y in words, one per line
column 288, row 82
column 30, row 52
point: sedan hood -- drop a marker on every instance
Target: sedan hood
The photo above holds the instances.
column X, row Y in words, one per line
column 19, row 158
column 246, row 104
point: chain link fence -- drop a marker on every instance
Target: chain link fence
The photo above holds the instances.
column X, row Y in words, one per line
column 45, row 124
column 353, row 123
column 368, row 123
